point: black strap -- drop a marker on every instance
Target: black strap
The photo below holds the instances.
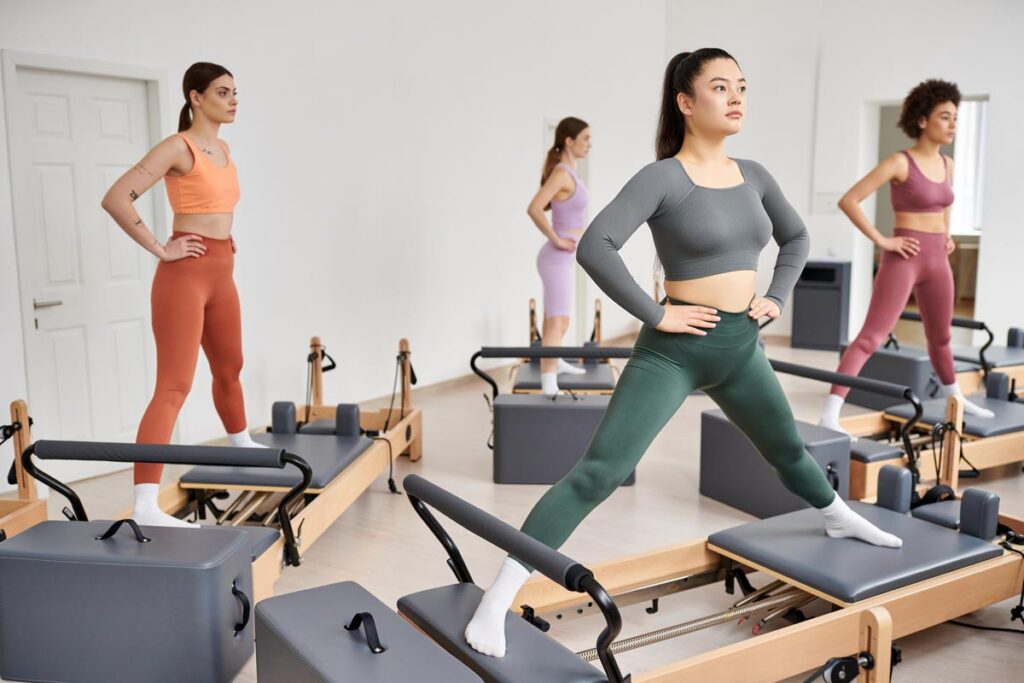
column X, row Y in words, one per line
column 370, row 627
column 833, row 476
column 139, row 536
column 246, row 607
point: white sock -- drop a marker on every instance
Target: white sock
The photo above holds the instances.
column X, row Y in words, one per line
column 146, row 509
column 548, row 383
column 486, row 630
column 969, row 408
column 568, row 369
column 842, row 522
column 830, row 415
column 243, row 440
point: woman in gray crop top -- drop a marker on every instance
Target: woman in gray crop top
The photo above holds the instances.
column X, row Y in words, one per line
column 710, row 216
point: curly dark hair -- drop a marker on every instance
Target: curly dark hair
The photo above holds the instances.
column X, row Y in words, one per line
column 920, row 102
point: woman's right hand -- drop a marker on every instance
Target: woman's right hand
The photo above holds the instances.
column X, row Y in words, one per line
column 564, row 244
column 189, row 246
column 687, row 319
column 904, row 246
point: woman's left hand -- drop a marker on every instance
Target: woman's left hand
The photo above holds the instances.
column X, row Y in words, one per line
column 950, row 245
column 761, row 307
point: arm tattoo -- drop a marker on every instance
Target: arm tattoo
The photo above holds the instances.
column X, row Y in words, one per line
column 138, row 222
column 142, row 170
column 133, row 194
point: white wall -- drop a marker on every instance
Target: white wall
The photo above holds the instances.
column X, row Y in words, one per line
column 817, row 73
column 387, row 152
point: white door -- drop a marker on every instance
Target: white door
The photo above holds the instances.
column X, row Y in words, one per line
column 84, row 283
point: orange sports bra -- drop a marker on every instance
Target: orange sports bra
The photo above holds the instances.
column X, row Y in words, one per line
column 207, row 188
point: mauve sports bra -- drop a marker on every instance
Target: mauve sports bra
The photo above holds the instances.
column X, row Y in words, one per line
column 917, row 194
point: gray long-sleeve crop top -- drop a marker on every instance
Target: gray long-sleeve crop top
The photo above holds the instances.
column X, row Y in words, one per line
column 698, row 231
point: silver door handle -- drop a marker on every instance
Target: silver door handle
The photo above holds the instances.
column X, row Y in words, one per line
column 46, row 304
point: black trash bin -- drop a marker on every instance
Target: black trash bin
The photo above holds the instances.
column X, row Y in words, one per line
column 821, row 305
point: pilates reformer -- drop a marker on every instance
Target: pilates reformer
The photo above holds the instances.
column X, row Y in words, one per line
column 536, row 439
column 874, row 593
column 347, row 450
column 28, row 509
column 600, row 376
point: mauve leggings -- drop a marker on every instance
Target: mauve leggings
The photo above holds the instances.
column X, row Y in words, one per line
column 929, row 276
column 194, row 304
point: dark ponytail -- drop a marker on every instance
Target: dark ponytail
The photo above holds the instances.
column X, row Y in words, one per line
column 679, row 75
column 198, row 77
column 569, row 127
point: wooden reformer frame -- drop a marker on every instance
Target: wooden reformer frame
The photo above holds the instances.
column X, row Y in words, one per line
column 980, row 452
column 28, row 509
column 793, row 649
column 535, row 337
column 401, row 427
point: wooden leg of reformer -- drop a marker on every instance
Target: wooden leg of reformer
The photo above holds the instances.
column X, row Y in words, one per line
column 415, row 450
column 22, row 440
column 949, row 473
column 876, row 639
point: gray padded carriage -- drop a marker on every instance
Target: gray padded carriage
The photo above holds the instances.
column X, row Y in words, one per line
column 442, row 613
column 599, row 377
column 301, row 637
column 868, row 451
column 327, row 456
column 996, row 356
column 1009, row 415
column 795, row 546
column 318, row 427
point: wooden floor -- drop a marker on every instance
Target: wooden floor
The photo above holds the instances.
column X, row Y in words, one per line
column 380, row 542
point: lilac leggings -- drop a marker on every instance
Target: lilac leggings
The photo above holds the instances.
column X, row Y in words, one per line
column 929, row 276
column 556, row 271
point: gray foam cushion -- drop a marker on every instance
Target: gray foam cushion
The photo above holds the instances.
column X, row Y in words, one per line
column 319, row 427
column 795, row 546
column 945, row 513
column 442, row 613
column 869, row 450
column 301, row 637
column 1009, row 415
column 326, row 455
column 598, row 377
column 997, row 356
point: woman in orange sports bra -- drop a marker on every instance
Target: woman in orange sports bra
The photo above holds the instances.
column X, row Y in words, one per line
column 194, row 300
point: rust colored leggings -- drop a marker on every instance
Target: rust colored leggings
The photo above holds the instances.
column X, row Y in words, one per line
column 194, row 304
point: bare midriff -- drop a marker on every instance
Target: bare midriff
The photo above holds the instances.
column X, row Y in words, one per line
column 213, row 225
column 728, row 292
column 922, row 222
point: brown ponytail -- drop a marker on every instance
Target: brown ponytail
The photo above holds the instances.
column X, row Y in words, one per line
column 569, row 127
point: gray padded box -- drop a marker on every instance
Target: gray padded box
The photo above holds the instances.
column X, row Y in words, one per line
column 442, row 613
column 733, row 472
column 73, row 608
column 537, row 439
column 301, row 638
column 906, row 366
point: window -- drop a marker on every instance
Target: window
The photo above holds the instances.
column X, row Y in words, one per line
column 968, row 157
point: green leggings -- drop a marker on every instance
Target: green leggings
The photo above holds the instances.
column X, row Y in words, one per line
column 662, row 370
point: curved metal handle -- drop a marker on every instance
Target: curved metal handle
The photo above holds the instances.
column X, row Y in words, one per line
column 139, row 536
column 246, row 607
column 36, row 305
